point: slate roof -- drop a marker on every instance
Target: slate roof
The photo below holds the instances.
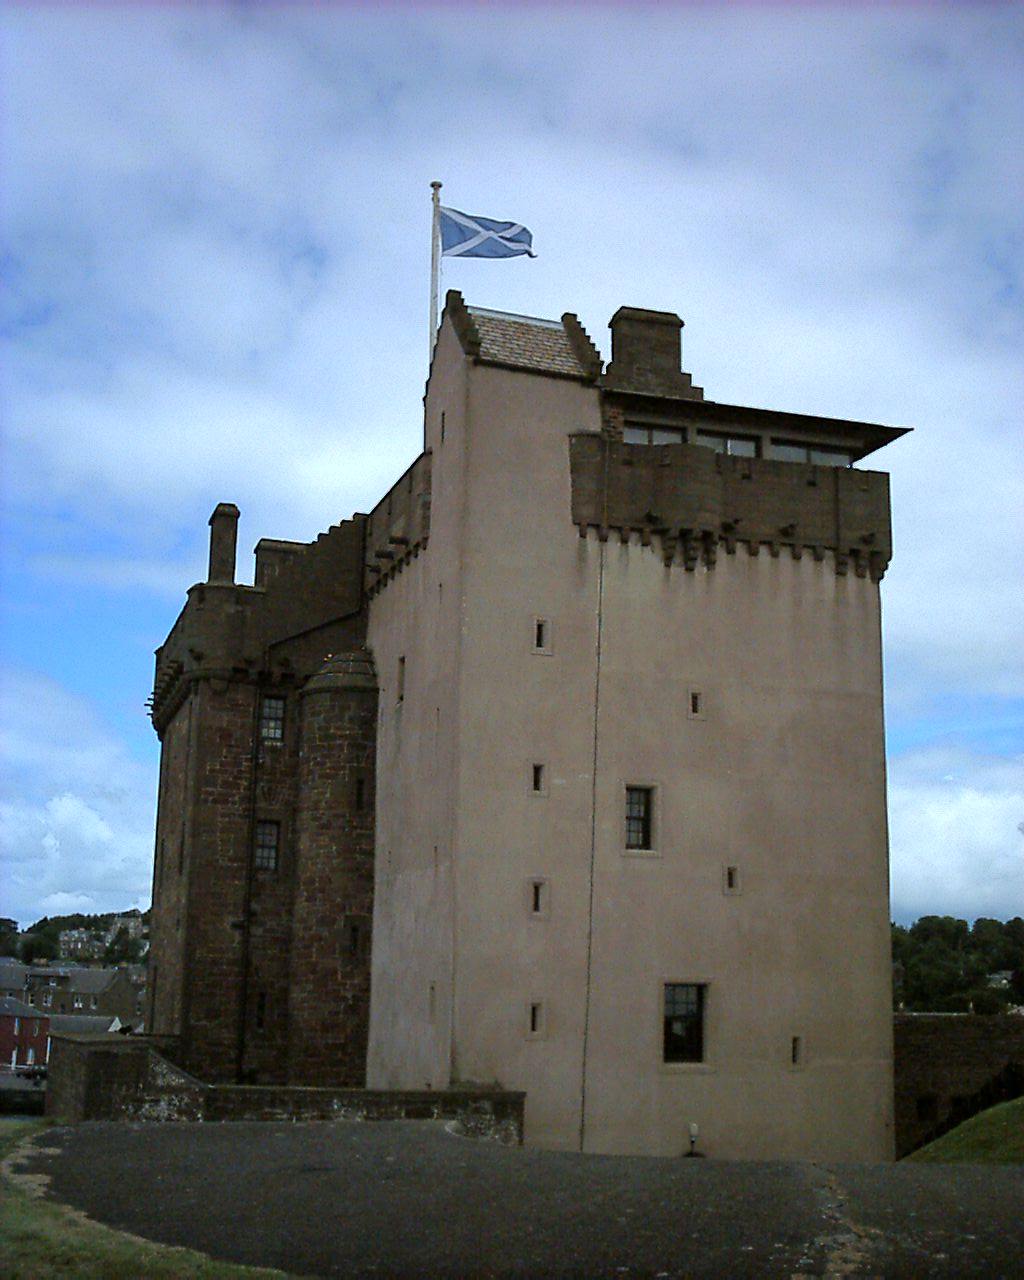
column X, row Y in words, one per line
column 12, row 972
column 11, row 1008
column 524, row 342
column 76, row 1023
column 84, row 981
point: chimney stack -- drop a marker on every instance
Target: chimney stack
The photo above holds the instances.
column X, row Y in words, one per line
column 646, row 354
column 223, row 541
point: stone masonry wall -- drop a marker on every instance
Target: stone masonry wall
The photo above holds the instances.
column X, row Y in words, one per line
column 166, row 975
column 333, row 907
column 949, row 1066
column 218, row 845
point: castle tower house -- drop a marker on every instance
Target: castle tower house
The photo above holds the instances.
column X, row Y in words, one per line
column 631, row 829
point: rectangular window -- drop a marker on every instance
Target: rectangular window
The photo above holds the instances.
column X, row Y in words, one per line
column 723, row 442
column 538, row 779
column 634, row 433
column 796, row 1051
column 541, row 635
column 360, row 794
column 535, row 1021
column 683, row 1022
column 730, row 880
column 639, row 817
column 272, row 720
column 538, row 897
column 822, row 454
column 401, row 679
column 268, row 838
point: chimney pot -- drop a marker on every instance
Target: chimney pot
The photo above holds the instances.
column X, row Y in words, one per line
column 223, row 542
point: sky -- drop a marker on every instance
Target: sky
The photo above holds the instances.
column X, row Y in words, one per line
column 215, row 256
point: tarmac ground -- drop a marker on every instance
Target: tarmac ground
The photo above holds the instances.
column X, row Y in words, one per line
column 411, row 1199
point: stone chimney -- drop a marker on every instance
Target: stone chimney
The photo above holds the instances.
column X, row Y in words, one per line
column 223, row 541
column 646, row 354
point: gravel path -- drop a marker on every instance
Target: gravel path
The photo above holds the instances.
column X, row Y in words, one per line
column 410, row 1199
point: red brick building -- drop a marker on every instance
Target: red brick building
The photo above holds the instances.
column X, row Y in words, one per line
column 24, row 1033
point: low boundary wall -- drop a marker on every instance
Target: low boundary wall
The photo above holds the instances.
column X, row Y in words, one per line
column 112, row 1077
column 949, row 1066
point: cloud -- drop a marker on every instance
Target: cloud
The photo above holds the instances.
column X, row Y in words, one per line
column 955, row 834
column 215, row 242
column 76, row 816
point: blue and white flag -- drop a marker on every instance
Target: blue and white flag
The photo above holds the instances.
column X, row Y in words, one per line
column 466, row 237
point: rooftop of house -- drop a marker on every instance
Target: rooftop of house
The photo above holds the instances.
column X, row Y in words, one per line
column 11, row 1008
column 75, row 1023
column 84, row 981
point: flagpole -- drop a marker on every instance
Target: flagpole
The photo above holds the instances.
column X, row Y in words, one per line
column 435, row 261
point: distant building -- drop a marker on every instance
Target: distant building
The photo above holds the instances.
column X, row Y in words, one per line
column 582, row 725
column 132, row 924
column 24, row 1035
column 99, row 992
column 80, row 944
column 13, row 978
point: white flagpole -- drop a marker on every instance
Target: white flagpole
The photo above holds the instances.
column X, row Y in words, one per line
column 435, row 261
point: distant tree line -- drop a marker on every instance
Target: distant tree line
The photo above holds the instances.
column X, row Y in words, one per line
column 41, row 940
column 945, row 965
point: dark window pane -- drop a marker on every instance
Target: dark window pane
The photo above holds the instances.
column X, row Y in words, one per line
column 683, row 1022
column 638, row 817
column 743, row 446
column 667, row 435
column 272, row 719
column 267, row 838
column 635, row 435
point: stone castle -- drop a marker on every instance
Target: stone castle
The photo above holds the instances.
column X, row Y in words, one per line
column 563, row 768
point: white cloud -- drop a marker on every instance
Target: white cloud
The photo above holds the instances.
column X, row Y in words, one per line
column 217, row 228
column 955, row 834
column 76, row 818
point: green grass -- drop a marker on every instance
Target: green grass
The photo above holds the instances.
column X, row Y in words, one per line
column 39, row 1238
column 995, row 1136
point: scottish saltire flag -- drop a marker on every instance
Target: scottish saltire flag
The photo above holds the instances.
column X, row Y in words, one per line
column 466, row 237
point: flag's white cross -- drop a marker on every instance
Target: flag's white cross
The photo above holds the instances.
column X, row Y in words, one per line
column 457, row 249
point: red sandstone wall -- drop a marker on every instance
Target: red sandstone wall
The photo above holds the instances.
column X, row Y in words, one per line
column 333, row 914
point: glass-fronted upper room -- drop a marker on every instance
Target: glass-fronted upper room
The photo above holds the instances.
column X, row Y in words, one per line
column 741, row 445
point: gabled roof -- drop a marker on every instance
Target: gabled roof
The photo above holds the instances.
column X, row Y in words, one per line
column 12, row 972
column 76, row 1023
column 11, row 1008
column 559, row 348
column 83, row 981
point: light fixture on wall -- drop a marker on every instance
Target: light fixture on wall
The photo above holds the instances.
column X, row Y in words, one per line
column 694, row 1135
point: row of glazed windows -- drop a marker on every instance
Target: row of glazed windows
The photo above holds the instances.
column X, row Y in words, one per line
column 827, row 455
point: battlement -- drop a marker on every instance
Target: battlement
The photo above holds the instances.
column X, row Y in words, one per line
column 307, row 600
column 694, row 500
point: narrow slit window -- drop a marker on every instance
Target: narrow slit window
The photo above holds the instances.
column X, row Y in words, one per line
column 431, row 1001
column 731, row 880
column 538, row 779
column 442, row 426
column 401, row 679
column 360, row 794
column 268, row 840
column 540, row 634
column 694, row 703
column 535, row 1019
column 796, row 1051
column 538, row 897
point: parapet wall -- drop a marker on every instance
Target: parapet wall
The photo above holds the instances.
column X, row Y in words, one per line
column 949, row 1066
column 127, row 1078
column 696, row 500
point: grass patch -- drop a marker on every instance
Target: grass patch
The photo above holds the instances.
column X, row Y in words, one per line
column 39, row 1238
column 995, row 1136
